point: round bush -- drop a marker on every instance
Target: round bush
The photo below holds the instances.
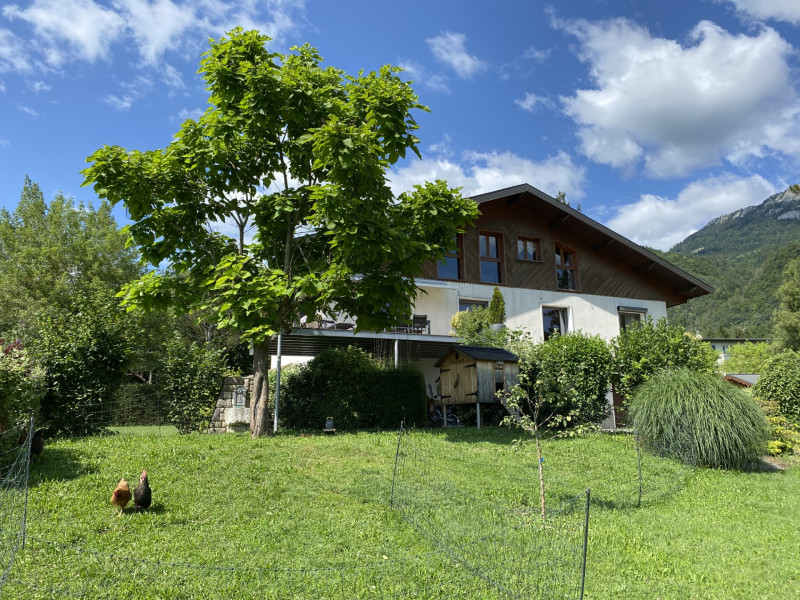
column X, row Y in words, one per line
column 780, row 382
column 698, row 418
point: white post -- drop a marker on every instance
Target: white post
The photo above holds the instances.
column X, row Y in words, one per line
column 277, row 383
column 396, row 352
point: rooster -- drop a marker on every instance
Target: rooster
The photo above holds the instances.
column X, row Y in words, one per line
column 121, row 495
column 142, row 496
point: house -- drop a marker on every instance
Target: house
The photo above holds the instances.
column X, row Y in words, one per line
column 558, row 270
column 723, row 345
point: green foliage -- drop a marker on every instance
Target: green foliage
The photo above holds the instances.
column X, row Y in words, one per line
column 784, row 436
column 497, row 307
column 474, row 329
column 83, row 355
column 643, row 349
column 780, row 382
column 787, row 317
column 571, row 373
column 21, row 386
column 356, row 390
column 137, row 404
column 699, row 418
column 191, row 379
column 748, row 358
column 51, row 252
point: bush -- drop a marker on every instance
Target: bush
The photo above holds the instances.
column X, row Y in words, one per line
column 571, row 372
column 354, row 389
column 83, row 354
column 21, row 387
column 748, row 358
column 780, row 382
column 137, row 404
column 191, row 379
column 699, row 418
column 784, row 436
column 643, row 349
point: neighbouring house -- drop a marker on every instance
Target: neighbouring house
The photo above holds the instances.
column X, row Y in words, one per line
column 723, row 345
column 558, row 270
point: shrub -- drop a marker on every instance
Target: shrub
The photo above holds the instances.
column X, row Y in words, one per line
column 497, row 307
column 699, row 418
column 784, row 436
column 748, row 358
column 571, row 372
column 780, row 382
column 83, row 354
column 354, row 389
column 191, row 379
column 137, row 404
column 21, row 387
column 643, row 349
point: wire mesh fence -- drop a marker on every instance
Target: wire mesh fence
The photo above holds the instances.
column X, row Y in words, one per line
column 14, row 467
column 494, row 531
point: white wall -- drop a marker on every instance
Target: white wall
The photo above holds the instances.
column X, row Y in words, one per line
column 595, row 315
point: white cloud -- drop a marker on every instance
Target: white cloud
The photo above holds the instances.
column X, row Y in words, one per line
column 13, row 55
column 780, row 10
column 451, row 49
column 663, row 222
column 193, row 114
column 120, row 103
column 28, row 110
column 479, row 172
column 678, row 108
column 537, row 54
column 40, row 86
column 419, row 75
column 172, row 77
column 86, row 27
column 156, row 25
column 531, row 101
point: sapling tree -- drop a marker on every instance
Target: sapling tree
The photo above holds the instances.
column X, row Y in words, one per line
column 299, row 153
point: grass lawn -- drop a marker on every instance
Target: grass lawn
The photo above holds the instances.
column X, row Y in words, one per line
column 309, row 517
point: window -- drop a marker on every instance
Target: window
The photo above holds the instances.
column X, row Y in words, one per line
column 529, row 248
column 491, row 254
column 566, row 268
column 629, row 315
column 554, row 321
column 465, row 304
column 450, row 267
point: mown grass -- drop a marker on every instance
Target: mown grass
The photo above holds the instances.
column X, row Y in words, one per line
column 228, row 511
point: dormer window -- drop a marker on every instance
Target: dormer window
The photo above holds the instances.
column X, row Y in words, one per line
column 566, row 268
column 529, row 249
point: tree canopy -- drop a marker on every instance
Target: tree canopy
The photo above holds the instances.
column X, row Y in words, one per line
column 299, row 153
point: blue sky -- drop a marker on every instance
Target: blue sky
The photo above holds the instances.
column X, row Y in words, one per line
column 653, row 116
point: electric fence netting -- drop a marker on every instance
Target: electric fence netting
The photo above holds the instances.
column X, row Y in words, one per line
column 15, row 447
column 492, row 529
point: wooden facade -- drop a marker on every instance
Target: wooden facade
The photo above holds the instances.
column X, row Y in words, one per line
column 470, row 374
column 607, row 264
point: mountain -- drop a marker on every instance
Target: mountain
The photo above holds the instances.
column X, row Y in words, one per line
column 742, row 255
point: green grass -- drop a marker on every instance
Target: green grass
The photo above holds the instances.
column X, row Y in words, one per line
column 224, row 503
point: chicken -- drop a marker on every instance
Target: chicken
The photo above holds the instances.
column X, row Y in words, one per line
column 37, row 442
column 121, row 495
column 142, row 496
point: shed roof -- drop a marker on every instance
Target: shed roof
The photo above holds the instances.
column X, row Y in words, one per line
column 483, row 353
column 747, row 380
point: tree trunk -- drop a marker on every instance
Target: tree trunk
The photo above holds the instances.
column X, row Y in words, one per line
column 259, row 402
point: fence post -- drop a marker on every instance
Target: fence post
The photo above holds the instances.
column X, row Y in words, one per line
column 396, row 458
column 585, row 541
column 27, row 474
column 639, row 461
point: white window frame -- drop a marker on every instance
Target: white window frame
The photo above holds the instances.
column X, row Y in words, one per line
column 564, row 320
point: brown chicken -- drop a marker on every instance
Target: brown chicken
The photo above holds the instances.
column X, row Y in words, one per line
column 121, row 495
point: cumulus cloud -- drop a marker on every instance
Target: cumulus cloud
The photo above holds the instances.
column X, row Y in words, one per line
column 87, row 28
column 451, row 49
column 674, row 108
column 779, row 10
column 156, row 25
column 420, row 75
column 13, row 55
column 479, row 172
column 662, row 222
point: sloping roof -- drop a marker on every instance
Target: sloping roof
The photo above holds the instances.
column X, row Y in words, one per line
column 603, row 239
column 482, row 353
column 747, row 380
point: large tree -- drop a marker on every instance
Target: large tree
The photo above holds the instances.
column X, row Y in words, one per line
column 299, row 152
column 787, row 317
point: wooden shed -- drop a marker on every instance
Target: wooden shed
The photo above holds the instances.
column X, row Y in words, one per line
column 474, row 375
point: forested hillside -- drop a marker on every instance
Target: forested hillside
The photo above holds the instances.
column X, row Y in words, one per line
column 742, row 255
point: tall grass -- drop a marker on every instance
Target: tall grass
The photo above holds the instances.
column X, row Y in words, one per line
column 700, row 419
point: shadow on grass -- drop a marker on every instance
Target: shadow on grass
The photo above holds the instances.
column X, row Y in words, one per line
column 60, row 464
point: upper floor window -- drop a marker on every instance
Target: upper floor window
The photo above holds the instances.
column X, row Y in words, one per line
column 451, row 266
column 566, row 268
column 554, row 321
column 529, row 248
column 491, row 257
